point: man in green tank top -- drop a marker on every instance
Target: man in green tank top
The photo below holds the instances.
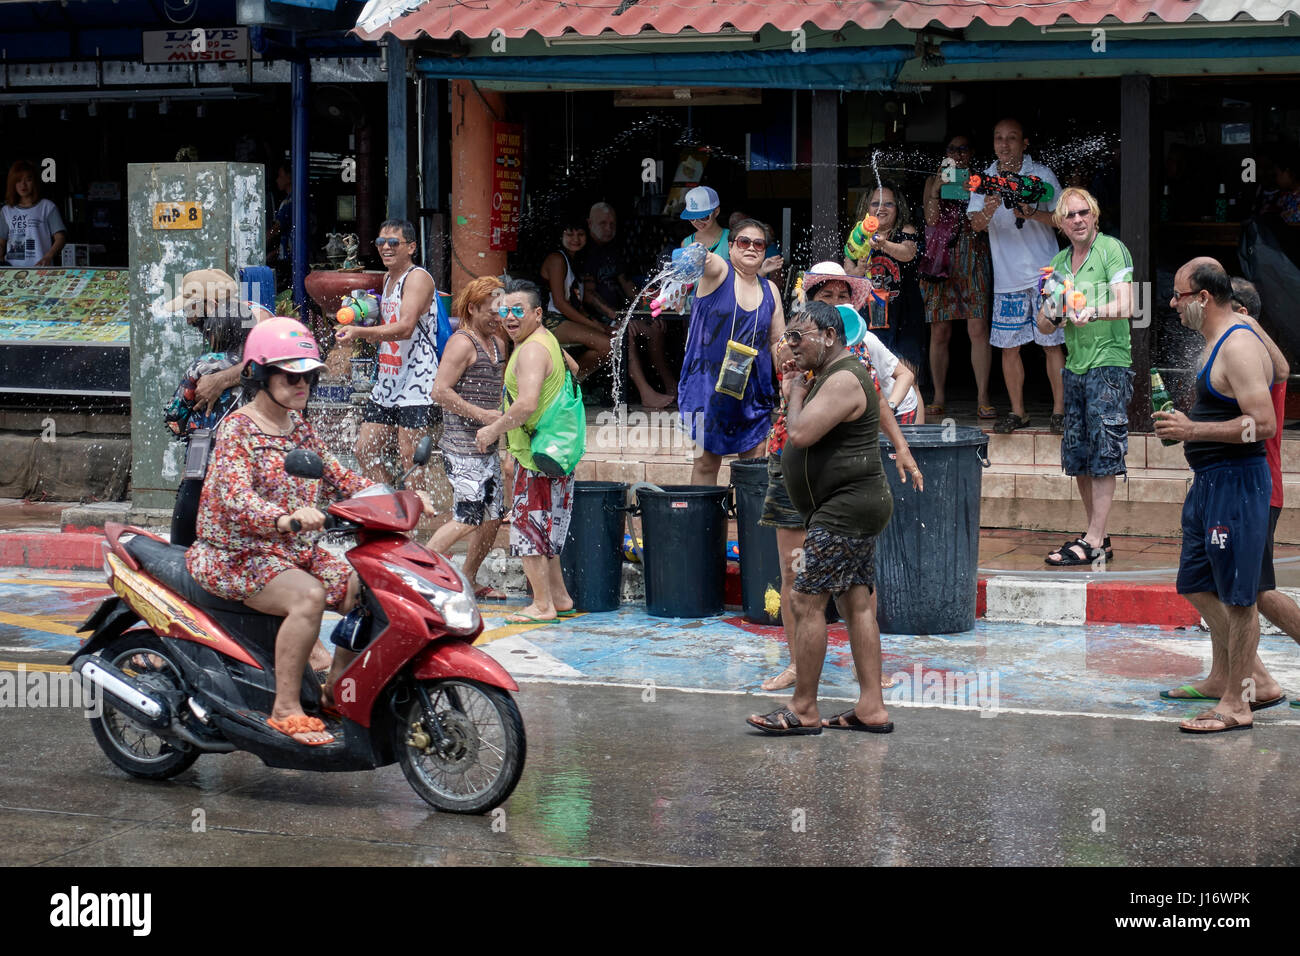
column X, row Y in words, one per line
column 835, row 480
column 539, row 520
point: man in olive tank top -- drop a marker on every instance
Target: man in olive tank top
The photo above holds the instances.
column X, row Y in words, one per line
column 835, row 479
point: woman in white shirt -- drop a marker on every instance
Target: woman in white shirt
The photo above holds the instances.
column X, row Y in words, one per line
column 31, row 228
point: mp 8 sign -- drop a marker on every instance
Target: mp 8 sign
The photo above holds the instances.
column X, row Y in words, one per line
column 219, row 45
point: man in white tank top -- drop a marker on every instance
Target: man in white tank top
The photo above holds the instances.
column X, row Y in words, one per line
column 401, row 402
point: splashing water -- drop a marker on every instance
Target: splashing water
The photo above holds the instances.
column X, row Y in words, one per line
column 685, row 269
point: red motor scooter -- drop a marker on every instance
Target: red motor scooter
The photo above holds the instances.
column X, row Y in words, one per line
column 182, row 672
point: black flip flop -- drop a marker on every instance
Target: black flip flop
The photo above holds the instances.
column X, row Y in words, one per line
column 849, row 721
column 782, row 723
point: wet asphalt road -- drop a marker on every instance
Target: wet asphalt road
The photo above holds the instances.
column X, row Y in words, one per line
column 614, row 779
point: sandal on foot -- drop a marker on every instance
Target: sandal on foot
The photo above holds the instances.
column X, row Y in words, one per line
column 1067, row 558
column 529, row 619
column 1188, row 692
column 1057, row 425
column 1273, row 702
column 1009, row 423
column 571, row 612
column 849, row 721
column 488, row 593
column 933, row 409
column 780, row 681
column 987, row 412
column 301, row 724
column 1229, row 723
column 329, row 710
column 782, row 723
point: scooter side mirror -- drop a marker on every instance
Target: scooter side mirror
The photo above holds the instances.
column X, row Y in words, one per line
column 302, row 463
column 422, row 451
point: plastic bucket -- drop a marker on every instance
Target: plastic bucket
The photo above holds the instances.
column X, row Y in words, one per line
column 927, row 556
column 684, row 551
column 592, row 559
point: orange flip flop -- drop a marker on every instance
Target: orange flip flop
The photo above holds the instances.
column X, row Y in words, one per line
column 301, row 724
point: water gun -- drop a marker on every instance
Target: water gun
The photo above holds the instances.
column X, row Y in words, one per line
column 1052, row 284
column 361, row 308
column 679, row 278
column 1015, row 189
column 859, row 243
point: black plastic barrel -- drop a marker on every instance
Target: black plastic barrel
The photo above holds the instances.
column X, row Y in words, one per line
column 684, row 549
column 760, row 560
column 592, row 559
column 927, row 556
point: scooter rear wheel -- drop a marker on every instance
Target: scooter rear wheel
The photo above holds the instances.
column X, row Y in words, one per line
column 479, row 763
column 138, row 750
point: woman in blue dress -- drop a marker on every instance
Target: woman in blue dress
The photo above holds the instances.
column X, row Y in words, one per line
column 732, row 304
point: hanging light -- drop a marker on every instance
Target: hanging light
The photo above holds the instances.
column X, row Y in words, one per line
column 22, row 111
column 130, row 111
column 92, row 108
column 163, row 106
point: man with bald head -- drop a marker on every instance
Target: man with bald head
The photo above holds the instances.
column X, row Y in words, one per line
column 1225, row 516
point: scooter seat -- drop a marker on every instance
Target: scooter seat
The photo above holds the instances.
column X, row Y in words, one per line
column 166, row 562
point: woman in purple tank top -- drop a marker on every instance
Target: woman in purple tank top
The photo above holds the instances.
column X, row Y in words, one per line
column 733, row 304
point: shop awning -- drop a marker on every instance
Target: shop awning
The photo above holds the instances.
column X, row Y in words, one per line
column 478, row 19
column 873, row 68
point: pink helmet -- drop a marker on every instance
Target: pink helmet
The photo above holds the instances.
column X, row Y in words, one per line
column 283, row 342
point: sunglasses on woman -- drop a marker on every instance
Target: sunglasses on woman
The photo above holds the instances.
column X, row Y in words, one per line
column 746, row 241
column 295, row 378
column 508, row 310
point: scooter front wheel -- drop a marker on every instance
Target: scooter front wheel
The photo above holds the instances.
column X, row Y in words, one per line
column 474, row 763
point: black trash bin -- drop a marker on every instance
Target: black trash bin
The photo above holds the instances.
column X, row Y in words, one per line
column 684, row 549
column 592, row 559
column 760, row 561
column 927, row 556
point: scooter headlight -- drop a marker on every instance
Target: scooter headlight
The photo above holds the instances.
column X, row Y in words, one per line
column 458, row 608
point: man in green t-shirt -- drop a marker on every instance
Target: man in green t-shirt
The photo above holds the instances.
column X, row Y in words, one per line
column 1091, row 292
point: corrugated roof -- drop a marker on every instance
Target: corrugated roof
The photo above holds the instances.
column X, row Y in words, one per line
column 477, row 19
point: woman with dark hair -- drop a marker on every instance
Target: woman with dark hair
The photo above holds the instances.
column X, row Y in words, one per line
column 31, row 230
column 728, row 388
column 895, row 246
column 956, row 280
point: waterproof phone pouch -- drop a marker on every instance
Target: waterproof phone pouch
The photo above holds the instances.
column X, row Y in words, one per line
column 197, row 453
column 736, row 366
column 877, row 311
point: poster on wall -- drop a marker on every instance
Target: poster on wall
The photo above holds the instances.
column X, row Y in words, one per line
column 507, row 186
column 64, row 306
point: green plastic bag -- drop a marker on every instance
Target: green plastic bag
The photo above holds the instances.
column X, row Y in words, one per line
column 559, row 439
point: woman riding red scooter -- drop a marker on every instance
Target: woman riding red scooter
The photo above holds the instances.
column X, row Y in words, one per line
column 248, row 548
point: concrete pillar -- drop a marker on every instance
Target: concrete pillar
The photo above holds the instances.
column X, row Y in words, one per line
column 472, row 114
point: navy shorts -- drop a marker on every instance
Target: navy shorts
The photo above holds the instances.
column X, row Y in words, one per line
column 401, row 416
column 1095, row 441
column 1225, row 530
column 1267, row 581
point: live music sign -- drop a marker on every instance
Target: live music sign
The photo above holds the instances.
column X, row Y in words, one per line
column 214, row 45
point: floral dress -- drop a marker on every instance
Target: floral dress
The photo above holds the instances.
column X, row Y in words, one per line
column 239, row 551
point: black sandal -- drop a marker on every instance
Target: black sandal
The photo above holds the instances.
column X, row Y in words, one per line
column 782, row 723
column 1068, row 559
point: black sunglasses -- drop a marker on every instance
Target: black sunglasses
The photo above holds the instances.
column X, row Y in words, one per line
column 294, row 378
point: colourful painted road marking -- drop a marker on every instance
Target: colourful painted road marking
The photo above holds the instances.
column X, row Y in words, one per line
column 1115, row 671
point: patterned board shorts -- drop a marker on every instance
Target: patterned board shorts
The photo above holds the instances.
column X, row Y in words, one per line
column 833, row 563
column 1015, row 321
column 477, row 487
column 539, row 521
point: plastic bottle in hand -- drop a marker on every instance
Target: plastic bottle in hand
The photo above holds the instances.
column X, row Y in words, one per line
column 1161, row 402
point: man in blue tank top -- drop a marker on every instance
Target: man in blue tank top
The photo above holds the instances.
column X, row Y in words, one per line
column 1225, row 516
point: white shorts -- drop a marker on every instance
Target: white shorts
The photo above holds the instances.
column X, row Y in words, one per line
column 1015, row 321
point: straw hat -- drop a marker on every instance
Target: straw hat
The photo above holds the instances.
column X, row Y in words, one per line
column 203, row 285
column 859, row 288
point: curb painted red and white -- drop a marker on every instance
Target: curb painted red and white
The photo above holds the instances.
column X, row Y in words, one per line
column 1001, row 597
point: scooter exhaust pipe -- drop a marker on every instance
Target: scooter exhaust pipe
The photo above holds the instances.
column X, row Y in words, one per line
column 123, row 693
